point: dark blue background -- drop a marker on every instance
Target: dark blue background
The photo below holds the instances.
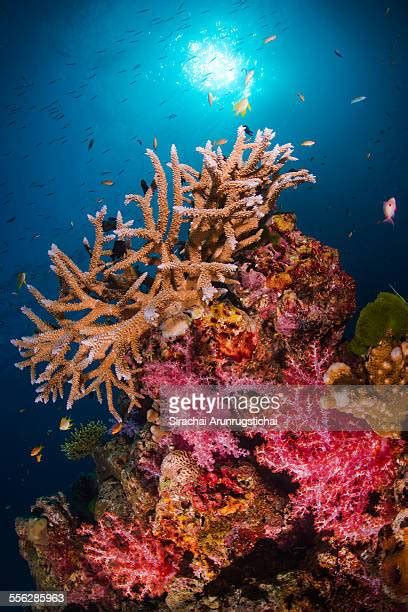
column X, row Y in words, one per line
column 69, row 72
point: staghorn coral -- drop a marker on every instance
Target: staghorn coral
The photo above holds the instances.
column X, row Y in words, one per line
column 115, row 305
column 84, row 440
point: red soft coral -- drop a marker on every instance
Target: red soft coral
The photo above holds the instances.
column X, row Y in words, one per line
column 129, row 556
column 338, row 472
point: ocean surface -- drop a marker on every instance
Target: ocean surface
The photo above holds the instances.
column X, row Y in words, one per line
column 86, row 85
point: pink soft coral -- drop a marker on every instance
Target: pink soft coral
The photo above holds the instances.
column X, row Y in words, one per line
column 338, row 472
column 207, row 446
column 307, row 365
column 129, row 556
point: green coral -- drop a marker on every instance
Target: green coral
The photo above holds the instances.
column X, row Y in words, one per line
column 84, row 440
column 387, row 315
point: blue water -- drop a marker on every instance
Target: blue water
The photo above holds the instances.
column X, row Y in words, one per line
column 120, row 71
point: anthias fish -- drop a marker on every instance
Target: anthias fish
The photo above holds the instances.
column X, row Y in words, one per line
column 65, row 424
column 389, row 209
column 21, row 280
column 116, row 429
column 241, row 107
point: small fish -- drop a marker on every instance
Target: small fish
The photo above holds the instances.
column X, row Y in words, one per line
column 389, row 210
column 308, row 143
column 107, row 182
column 338, row 53
column 71, row 223
column 210, row 98
column 241, row 107
column 11, row 220
column 91, row 144
column 116, row 429
column 65, row 424
column 21, row 279
column 387, row 11
column 248, row 132
column 221, row 141
column 38, row 458
column 155, row 143
column 369, row 155
column 358, row 99
column 36, row 451
column 270, row 39
column 349, row 235
column 301, row 97
column 249, row 76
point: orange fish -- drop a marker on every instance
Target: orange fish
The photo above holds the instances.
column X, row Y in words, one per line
column 65, row 424
column 38, row 458
column 116, row 429
column 241, row 107
column 308, row 143
column 210, row 98
column 155, row 143
column 36, row 451
column 301, row 97
column 221, row 141
column 107, row 182
column 270, row 39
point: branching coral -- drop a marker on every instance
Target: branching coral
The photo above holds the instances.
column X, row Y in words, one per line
column 103, row 312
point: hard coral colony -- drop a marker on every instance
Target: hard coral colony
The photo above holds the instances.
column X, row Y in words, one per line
column 247, row 298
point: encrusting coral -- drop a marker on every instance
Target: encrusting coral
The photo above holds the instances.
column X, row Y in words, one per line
column 117, row 304
column 198, row 520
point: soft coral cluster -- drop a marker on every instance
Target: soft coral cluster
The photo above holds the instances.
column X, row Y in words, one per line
column 338, row 473
column 134, row 561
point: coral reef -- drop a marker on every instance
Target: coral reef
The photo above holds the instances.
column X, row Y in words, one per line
column 199, row 520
